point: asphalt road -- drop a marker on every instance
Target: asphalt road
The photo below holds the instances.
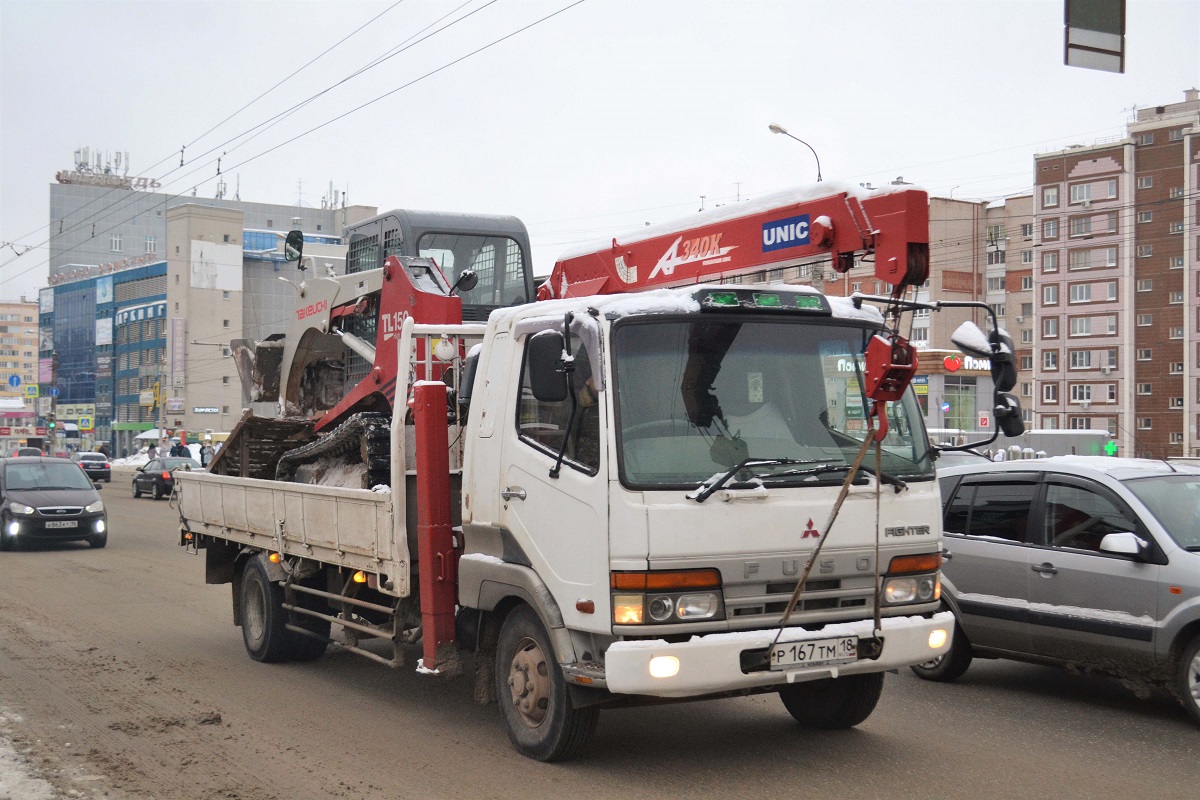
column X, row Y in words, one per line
column 122, row 676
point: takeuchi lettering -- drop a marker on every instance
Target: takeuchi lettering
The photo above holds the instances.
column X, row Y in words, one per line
column 312, row 308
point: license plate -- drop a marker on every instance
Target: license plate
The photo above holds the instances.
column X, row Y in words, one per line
column 63, row 523
column 814, row 652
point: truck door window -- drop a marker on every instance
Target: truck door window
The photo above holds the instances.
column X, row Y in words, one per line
column 1001, row 510
column 543, row 425
column 1079, row 518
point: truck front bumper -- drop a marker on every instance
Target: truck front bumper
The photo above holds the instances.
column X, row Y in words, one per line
column 713, row 663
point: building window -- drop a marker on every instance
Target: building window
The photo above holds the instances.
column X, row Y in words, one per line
column 1143, row 424
column 1176, row 262
column 151, row 244
column 1050, row 197
column 224, row 380
column 1081, row 192
column 1050, row 360
column 1144, row 354
column 1050, row 422
column 997, row 309
column 1081, row 293
column 1050, row 328
column 856, row 287
column 1176, row 331
column 1026, row 256
column 1145, row 138
column 225, row 294
column 1027, row 280
column 1026, row 230
column 1143, row 388
column 1110, row 256
column 1111, row 187
column 1027, row 389
column 114, row 243
column 1081, row 326
column 1081, row 226
column 1176, row 437
column 1081, row 359
column 995, row 284
column 1145, row 320
column 1176, row 403
column 1175, row 135
column 270, row 223
column 1081, row 423
column 1111, row 391
column 1145, row 216
column 224, row 409
column 1050, row 261
column 1050, row 295
column 1027, row 336
column 1050, row 229
column 1145, row 250
column 1026, row 362
column 1026, row 309
column 1145, row 182
column 1175, row 192
column 1176, row 298
column 995, row 257
column 226, row 237
column 1176, row 227
column 224, row 323
column 1049, row 392
column 1145, row 285
column 1176, row 368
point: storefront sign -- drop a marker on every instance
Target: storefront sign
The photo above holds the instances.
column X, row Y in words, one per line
column 205, row 410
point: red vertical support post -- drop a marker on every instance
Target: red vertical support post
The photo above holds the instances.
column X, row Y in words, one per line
column 437, row 560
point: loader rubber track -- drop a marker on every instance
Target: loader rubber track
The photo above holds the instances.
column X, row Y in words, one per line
column 364, row 437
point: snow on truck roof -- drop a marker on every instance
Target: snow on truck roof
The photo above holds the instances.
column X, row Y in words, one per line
column 730, row 211
column 679, row 300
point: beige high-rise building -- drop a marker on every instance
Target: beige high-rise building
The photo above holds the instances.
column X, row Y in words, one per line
column 18, row 372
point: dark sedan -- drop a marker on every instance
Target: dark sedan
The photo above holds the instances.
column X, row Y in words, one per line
column 156, row 478
column 49, row 499
column 95, row 465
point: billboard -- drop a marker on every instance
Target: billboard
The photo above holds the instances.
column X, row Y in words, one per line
column 46, row 301
column 104, row 330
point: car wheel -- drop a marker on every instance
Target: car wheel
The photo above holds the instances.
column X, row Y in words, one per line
column 6, row 541
column 951, row 665
column 532, row 693
column 833, row 703
column 1189, row 678
column 99, row 540
column 136, row 491
column 158, row 494
column 263, row 617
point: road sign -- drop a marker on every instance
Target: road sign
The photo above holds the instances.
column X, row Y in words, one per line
column 85, row 423
column 985, row 420
column 54, row 391
column 14, row 381
column 31, row 390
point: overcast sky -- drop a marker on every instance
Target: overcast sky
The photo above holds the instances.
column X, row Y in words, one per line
column 609, row 115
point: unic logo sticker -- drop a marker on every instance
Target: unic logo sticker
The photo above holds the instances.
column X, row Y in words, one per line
column 784, row 233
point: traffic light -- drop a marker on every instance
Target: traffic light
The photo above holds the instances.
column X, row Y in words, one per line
column 51, row 422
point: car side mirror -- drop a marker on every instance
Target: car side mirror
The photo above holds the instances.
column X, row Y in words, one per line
column 546, row 376
column 1123, row 544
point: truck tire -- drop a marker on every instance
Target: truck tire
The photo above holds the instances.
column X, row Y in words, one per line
column 532, row 693
column 951, row 665
column 263, row 617
column 833, row 703
column 306, row 648
column 1189, row 678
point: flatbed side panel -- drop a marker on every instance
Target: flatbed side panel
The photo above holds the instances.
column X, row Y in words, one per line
column 351, row 528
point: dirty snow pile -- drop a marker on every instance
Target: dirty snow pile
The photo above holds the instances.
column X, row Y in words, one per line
column 17, row 777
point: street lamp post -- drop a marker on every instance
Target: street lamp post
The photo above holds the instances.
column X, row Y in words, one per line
column 776, row 128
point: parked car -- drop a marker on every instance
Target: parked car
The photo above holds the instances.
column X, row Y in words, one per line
column 95, row 465
column 49, row 499
column 157, row 478
column 26, row 451
column 1088, row 562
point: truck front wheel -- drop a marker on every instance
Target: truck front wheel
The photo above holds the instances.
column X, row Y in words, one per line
column 532, row 693
column 263, row 616
column 833, row 703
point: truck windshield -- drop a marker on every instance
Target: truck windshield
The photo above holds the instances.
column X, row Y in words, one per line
column 697, row 396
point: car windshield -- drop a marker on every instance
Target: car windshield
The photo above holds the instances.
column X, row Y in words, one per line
column 62, row 475
column 696, row 397
column 175, row 463
column 1174, row 500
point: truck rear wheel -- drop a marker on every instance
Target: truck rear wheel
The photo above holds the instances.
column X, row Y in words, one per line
column 263, row 616
column 306, row 648
column 532, row 693
column 833, row 703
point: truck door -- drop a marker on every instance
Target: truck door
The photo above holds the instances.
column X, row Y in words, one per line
column 560, row 523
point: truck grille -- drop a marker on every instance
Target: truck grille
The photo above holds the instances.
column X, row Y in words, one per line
column 765, row 602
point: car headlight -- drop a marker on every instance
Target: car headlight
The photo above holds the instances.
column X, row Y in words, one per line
column 94, row 507
column 17, row 508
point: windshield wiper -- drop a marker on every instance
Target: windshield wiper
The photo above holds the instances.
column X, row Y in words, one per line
column 707, row 488
column 882, row 477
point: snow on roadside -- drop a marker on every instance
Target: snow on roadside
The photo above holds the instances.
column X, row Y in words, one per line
column 17, row 777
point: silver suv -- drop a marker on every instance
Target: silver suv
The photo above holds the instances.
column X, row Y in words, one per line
column 1083, row 561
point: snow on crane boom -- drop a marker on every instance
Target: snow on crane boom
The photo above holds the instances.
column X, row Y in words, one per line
column 773, row 231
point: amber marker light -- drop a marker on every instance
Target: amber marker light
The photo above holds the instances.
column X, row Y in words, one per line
column 925, row 562
column 360, row 577
column 274, row 558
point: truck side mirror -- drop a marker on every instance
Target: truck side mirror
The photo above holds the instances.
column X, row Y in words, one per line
column 544, row 367
column 293, row 245
column 1008, row 414
column 466, row 282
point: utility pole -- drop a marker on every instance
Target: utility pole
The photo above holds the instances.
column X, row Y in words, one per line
column 52, row 418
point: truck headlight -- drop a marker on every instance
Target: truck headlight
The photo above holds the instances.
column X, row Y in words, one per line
column 94, row 507
column 661, row 597
column 17, row 508
column 912, row 589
